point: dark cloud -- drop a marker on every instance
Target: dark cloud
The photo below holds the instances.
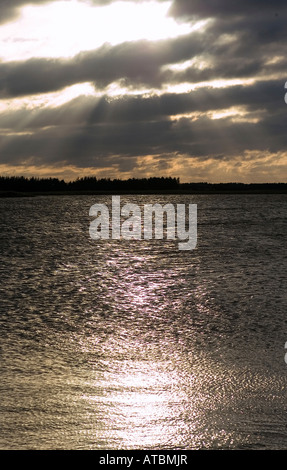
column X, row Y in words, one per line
column 260, row 98
column 224, row 8
column 248, row 51
column 98, row 144
column 97, row 132
column 245, row 39
column 137, row 62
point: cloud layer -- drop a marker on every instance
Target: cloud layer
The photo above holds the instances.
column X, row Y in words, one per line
column 231, row 119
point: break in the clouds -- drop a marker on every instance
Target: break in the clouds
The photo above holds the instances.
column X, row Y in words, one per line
column 196, row 93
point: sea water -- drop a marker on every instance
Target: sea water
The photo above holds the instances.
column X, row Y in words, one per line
column 134, row 344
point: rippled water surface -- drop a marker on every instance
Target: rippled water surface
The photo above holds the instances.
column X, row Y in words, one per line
column 116, row 344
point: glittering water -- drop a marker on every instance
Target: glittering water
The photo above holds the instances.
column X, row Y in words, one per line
column 136, row 345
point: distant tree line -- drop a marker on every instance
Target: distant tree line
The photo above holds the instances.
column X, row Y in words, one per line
column 87, row 183
column 90, row 183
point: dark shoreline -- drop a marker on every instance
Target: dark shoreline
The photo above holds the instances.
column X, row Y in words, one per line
column 20, row 186
column 222, row 191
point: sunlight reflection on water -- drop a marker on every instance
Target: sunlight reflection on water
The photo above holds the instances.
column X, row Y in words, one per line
column 118, row 345
column 145, row 406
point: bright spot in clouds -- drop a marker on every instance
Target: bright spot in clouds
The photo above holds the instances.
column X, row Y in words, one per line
column 63, row 29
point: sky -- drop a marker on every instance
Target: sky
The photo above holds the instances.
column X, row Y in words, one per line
column 192, row 89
